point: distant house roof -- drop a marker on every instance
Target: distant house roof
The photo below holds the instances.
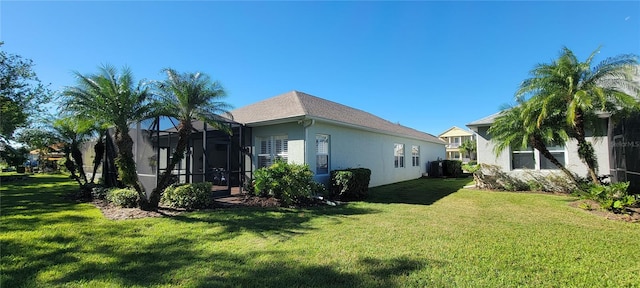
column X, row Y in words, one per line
column 297, row 105
column 455, row 132
column 486, row 121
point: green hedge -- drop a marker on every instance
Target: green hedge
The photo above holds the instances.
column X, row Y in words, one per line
column 124, row 197
column 188, row 196
column 350, row 184
column 451, row 168
column 287, row 182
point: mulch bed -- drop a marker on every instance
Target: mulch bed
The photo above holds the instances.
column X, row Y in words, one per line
column 114, row 212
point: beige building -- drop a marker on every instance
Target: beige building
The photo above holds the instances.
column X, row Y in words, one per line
column 454, row 137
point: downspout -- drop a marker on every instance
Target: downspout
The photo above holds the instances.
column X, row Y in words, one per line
column 306, row 136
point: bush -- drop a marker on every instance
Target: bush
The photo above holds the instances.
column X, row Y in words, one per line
column 99, row 192
column 350, row 184
column 451, row 168
column 123, row 197
column 188, row 196
column 286, row 182
column 613, row 197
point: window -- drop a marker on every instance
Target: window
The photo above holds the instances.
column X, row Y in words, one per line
column 398, row 155
column 270, row 149
column 322, row 154
column 523, row 159
column 415, row 156
column 557, row 152
column 530, row 158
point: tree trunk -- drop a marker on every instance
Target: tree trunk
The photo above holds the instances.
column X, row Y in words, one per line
column 184, row 132
column 540, row 146
column 127, row 165
column 77, row 157
column 99, row 154
column 585, row 149
column 68, row 163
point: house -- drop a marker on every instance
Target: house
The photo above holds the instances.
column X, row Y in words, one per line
column 454, row 137
column 295, row 127
column 302, row 128
column 517, row 161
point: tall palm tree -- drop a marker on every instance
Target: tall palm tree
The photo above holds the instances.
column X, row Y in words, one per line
column 510, row 132
column 113, row 99
column 187, row 97
column 580, row 91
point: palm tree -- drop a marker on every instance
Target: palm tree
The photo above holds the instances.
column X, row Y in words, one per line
column 186, row 97
column 113, row 99
column 73, row 132
column 579, row 91
column 468, row 147
column 510, row 132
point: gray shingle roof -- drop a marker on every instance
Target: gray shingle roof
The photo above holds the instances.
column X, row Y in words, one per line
column 294, row 104
column 485, row 121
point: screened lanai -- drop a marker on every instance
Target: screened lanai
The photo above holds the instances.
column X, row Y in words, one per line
column 213, row 155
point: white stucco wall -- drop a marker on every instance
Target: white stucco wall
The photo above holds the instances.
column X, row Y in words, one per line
column 352, row 148
column 355, row 148
column 573, row 162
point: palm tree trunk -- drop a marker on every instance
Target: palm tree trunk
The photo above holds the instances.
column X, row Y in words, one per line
column 68, row 163
column 99, row 154
column 77, row 157
column 127, row 165
column 585, row 149
column 542, row 148
column 184, row 132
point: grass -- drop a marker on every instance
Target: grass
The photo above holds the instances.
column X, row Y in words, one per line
column 427, row 232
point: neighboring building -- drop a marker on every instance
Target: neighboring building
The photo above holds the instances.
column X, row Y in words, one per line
column 516, row 161
column 295, row 127
column 326, row 135
column 454, row 137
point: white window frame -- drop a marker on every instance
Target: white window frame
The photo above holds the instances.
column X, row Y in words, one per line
column 272, row 152
column 415, row 155
column 398, row 155
column 538, row 157
column 324, row 152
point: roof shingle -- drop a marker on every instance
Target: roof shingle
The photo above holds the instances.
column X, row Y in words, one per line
column 298, row 104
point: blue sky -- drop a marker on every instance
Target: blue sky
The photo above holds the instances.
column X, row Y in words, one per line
column 426, row 65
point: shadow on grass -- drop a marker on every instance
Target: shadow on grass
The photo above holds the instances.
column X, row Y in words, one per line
column 37, row 195
column 372, row 272
column 423, row 191
column 168, row 262
column 266, row 222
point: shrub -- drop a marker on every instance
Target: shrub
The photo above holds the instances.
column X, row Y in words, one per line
column 286, row 182
column 123, row 197
column 350, row 184
column 492, row 177
column 188, row 196
column 451, row 168
column 99, row 192
column 551, row 182
column 613, row 197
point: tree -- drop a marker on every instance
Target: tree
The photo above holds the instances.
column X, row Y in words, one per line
column 579, row 92
column 112, row 99
column 22, row 95
column 186, row 97
column 68, row 131
column 509, row 131
column 468, row 147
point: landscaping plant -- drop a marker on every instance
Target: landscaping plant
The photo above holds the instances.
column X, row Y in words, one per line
column 188, row 196
column 284, row 181
column 123, row 197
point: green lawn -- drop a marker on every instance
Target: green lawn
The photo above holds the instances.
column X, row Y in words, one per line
column 413, row 234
